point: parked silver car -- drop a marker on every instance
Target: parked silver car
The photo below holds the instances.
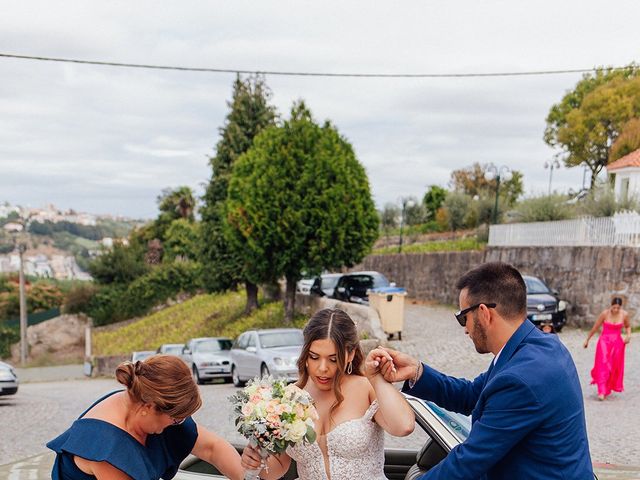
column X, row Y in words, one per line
column 266, row 352
column 8, row 380
column 141, row 355
column 208, row 358
column 171, row 349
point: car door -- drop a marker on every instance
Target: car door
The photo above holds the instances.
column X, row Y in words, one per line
column 253, row 359
column 238, row 355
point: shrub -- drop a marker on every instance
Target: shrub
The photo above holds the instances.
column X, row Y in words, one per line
column 79, row 297
column 8, row 336
column 601, row 202
column 113, row 303
column 544, row 208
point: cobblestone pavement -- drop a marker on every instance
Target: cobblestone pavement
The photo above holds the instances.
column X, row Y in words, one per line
column 40, row 411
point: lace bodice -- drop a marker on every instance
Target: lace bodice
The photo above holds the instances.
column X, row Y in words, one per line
column 355, row 449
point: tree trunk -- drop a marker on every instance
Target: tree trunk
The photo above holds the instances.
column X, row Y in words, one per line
column 272, row 291
column 252, row 297
column 289, row 301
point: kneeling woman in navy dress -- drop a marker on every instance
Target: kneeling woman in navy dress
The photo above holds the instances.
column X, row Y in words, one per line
column 143, row 432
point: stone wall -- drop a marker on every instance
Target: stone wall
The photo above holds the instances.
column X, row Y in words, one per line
column 587, row 277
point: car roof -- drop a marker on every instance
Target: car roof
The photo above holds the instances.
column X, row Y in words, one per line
column 172, row 345
column 330, row 275
column 5, row 365
column 152, row 352
column 273, row 330
column 200, row 339
column 368, row 272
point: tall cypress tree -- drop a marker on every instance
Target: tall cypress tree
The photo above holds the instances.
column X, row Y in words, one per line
column 249, row 114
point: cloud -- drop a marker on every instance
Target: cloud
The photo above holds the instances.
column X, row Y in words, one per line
column 106, row 139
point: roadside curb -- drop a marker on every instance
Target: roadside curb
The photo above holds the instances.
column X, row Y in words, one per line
column 50, row 374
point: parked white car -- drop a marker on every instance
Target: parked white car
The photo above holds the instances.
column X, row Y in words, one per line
column 304, row 286
column 273, row 352
column 8, row 380
column 208, row 358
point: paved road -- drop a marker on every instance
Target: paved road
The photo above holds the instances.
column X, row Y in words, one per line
column 40, row 411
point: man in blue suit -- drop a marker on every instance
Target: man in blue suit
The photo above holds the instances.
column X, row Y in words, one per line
column 527, row 411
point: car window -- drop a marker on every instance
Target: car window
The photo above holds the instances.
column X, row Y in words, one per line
column 459, row 425
column 173, row 350
column 208, row 346
column 281, row 339
column 535, row 285
column 361, row 281
column 252, row 340
column 380, row 281
column 242, row 341
column 330, row 282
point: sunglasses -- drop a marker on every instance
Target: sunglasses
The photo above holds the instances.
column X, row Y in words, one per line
column 461, row 315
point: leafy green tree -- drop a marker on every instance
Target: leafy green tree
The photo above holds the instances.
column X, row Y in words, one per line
column 628, row 141
column 299, row 201
column 432, row 200
column 249, row 114
column 173, row 204
column 122, row 264
column 472, row 181
column 457, row 206
column 588, row 119
column 602, row 202
column 414, row 212
column 389, row 216
column 181, row 241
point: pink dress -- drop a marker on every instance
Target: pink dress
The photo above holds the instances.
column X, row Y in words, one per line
column 608, row 368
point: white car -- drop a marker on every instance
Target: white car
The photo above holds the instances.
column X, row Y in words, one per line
column 171, row 349
column 304, row 286
column 265, row 352
column 8, row 380
column 208, row 358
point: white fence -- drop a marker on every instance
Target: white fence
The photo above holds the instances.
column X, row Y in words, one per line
column 622, row 229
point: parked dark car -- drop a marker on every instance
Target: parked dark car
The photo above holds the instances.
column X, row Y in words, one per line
column 544, row 307
column 353, row 287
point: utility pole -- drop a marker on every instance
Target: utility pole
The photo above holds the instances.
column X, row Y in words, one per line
column 23, row 309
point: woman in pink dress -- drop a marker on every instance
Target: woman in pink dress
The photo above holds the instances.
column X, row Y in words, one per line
column 608, row 368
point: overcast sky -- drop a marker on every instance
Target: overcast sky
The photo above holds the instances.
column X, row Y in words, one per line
column 108, row 140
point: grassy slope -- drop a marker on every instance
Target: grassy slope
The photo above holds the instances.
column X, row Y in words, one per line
column 436, row 246
column 201, row 316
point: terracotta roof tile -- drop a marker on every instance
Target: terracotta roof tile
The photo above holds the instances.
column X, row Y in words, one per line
column 630, row 160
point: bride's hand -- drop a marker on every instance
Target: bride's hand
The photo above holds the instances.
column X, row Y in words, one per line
column 251, row 459
column 377, row 362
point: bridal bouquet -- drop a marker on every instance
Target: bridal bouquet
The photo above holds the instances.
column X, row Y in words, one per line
column 274, row 415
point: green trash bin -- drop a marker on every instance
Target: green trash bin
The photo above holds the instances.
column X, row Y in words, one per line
column 389, row 303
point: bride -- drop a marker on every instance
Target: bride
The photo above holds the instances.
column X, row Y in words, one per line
column 355, row 405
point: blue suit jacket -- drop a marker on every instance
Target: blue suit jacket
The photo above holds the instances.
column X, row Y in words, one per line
column 527, row 414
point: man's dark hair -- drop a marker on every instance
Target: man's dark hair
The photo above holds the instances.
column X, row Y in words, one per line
column 499, row 283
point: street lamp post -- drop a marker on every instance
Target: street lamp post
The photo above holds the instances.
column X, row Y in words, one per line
column 406, row 202
column 15, row 229
column 551, row 165
column 499, row 173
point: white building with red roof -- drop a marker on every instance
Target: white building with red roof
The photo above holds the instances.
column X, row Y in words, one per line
column 626, row 173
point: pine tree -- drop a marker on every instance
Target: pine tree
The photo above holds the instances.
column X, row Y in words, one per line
column 249, row 114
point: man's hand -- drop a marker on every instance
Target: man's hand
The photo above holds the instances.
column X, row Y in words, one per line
column 401, row 367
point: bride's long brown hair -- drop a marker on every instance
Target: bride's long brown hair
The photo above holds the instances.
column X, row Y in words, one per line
column 336, row 325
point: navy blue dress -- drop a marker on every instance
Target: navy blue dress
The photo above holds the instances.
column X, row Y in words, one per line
column 101, row 441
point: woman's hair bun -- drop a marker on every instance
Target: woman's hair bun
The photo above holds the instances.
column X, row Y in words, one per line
column 125, row 373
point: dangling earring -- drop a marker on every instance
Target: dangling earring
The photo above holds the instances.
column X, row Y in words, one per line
column 350, row 368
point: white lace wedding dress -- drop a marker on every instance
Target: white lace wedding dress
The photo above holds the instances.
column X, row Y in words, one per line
column 355, row 449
